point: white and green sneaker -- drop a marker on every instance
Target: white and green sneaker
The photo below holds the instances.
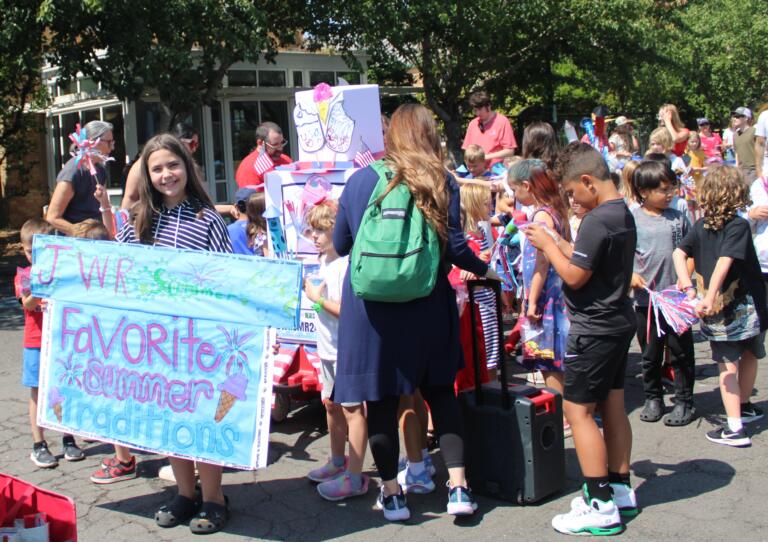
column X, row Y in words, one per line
column 624, row 497
column 598, row 518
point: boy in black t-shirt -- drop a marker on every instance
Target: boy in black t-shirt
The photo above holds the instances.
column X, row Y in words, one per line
column 596, row 274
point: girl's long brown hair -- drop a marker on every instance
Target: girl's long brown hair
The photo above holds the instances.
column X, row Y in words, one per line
column 150, row 199
column 415, row 157
column 722, row 193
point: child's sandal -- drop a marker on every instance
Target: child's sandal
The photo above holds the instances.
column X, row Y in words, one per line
column 211, row 519
column 179, row 511
column 682, row 414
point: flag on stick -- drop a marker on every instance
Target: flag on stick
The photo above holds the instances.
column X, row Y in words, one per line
column 364, row 157
column 263, row 163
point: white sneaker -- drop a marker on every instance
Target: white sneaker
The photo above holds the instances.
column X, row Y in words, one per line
column 625, row 499
column 596, row 518
column 395, row 506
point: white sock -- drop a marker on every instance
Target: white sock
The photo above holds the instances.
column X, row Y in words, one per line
column 734, row 424
column 416, row 468
column 424, row 453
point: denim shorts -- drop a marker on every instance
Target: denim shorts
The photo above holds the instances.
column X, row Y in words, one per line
column 30, row 369
column 731, row 351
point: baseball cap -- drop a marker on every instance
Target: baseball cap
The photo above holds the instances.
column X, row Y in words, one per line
column 601, row 111
column 244, row 193
column 742, row 112
column 621, row 120
column 701, row 121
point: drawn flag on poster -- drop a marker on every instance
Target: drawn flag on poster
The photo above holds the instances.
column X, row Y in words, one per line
column 364, row 157
column 263, row 163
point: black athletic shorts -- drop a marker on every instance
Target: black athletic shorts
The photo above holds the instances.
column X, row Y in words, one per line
column 595, row 365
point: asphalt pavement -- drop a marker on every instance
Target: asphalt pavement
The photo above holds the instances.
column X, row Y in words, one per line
column 688, row 488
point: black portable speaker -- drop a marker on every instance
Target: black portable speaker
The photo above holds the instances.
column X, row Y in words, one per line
column 513, row 444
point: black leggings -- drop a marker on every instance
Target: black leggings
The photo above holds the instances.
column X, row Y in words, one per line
column 383, row 436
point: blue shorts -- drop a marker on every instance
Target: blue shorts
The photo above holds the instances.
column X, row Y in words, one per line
column 30, row 371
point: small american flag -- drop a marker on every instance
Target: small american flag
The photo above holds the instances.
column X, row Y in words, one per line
column 263, row 163
column 364, row 157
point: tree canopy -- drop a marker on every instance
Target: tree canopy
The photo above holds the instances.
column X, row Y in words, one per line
column 706, row 56
column 515, row 50
column 21, row 51
column 181, row 49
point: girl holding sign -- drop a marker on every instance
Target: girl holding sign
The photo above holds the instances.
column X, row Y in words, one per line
column 174, row 211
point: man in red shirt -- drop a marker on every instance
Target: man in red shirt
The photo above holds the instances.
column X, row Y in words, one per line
column 270, row 142
column 491, row 130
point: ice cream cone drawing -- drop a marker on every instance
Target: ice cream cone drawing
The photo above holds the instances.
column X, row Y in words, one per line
column 234, row 386
column 308, row 129
column 322, row 96
column 339, row 127
column 232, row 390
column 55, row 402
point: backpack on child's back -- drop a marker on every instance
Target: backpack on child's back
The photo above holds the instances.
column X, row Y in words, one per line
column 396, row 253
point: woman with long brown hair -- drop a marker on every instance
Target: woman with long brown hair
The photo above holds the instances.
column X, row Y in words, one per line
column 386, row 350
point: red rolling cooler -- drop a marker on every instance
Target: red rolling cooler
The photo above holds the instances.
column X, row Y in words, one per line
column 513, row 443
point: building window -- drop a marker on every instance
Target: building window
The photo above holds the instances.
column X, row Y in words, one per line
column 150, row 120
column 63, row 89
column 353, row 78
column 298, row 79
column 242, row 78
column 65, row 124
column 117, row 171
column 88, row 85
column 315, row 78
column 219, row 170
column 271, row 78
column 245, row 117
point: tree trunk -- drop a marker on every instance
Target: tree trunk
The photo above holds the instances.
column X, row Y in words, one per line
column 454, row 138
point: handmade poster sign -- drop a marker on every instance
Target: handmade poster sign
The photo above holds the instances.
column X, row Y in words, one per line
column 306, row 332
column 335, row 123
column 294, row 191
column 149, row 279
column 162, row 376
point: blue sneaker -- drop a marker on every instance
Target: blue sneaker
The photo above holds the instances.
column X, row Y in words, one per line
column 460, row 501
column 429, row 465
column 402, row 463
column 395, row 506
column 412, row 483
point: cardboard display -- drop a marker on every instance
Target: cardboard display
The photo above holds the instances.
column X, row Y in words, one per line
column 335, row 123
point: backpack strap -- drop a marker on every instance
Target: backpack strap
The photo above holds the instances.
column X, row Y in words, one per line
column 381, row 189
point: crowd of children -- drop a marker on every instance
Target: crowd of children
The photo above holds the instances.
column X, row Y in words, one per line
column 596, row 243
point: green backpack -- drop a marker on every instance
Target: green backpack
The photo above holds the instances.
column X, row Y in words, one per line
column 396, row 253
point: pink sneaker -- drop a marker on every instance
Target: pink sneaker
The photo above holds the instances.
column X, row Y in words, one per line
column 341, row 488
column 329, row 471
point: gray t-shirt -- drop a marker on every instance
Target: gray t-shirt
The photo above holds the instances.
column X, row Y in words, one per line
column 657, row 237
column 83, row 204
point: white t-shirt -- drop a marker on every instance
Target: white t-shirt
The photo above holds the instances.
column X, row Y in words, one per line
column 760, row 197
column 728, row 137
column 328, row 325
column 761, row 130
